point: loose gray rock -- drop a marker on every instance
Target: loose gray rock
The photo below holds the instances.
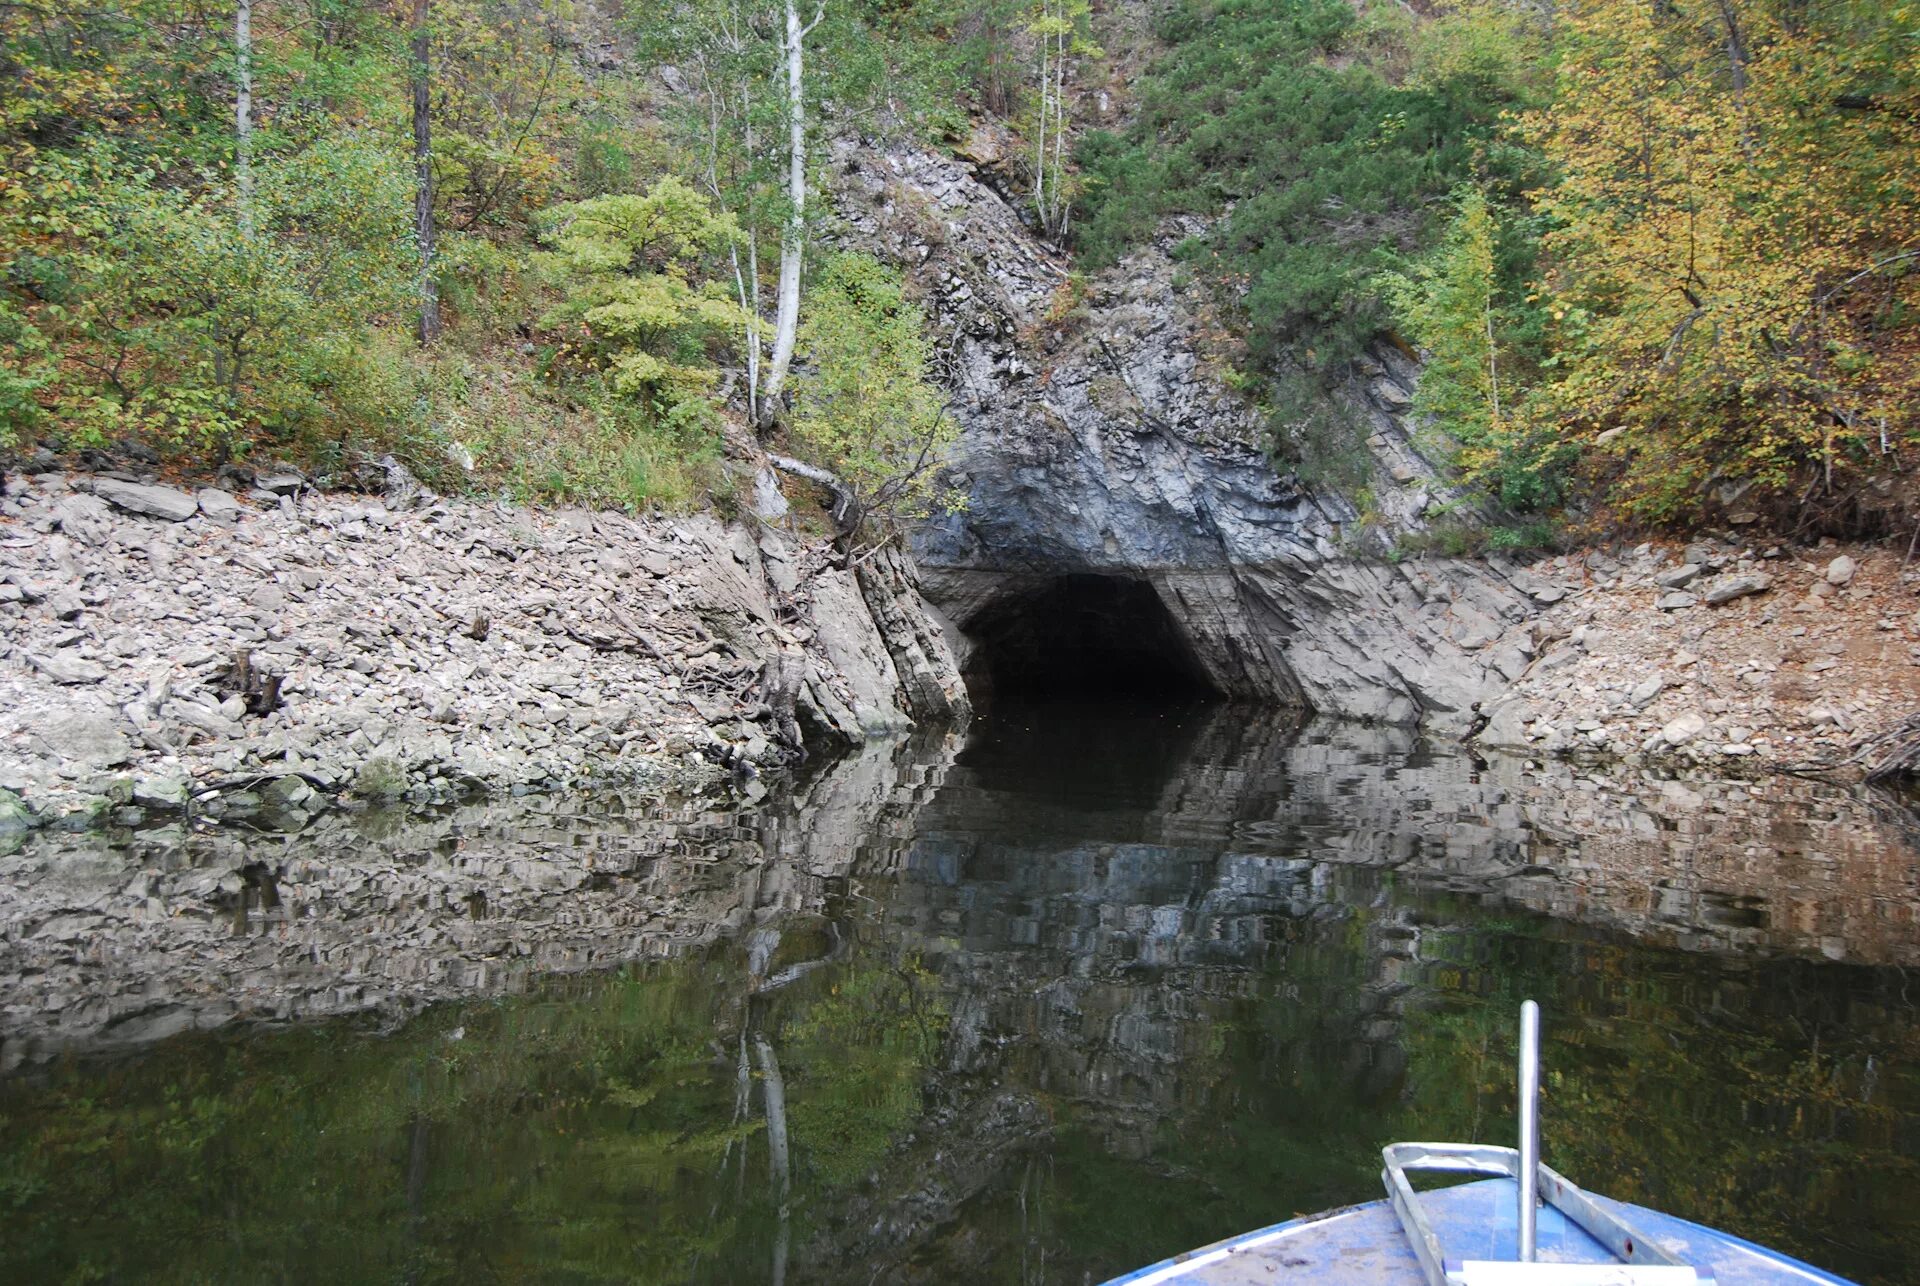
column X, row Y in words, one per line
column 1819, row 716
column 1644, row 693
column 90, row 739
column 1680, row 577
column 1675, row 601
column 166, row 792
column 208, row 721
column 1840, row 571
column 153, row 502
column 67, row 667
column 218, row 505
column 1683, row 729
column 1737, row 585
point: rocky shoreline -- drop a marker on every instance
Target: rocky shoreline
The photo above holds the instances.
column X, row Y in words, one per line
column 1717, row 650
column 423, row 649
column 275, row 651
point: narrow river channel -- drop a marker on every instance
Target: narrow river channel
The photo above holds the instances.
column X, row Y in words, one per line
column 1081, row 990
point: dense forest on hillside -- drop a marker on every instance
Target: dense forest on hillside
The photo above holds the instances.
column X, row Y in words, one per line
column 1659, row 258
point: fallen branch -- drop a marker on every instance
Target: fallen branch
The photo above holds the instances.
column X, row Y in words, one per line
column 846, row 506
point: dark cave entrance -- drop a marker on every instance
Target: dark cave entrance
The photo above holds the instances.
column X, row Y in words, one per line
column 1078, row 636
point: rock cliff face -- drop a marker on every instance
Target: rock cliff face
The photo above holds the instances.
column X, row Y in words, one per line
column 1098, row 441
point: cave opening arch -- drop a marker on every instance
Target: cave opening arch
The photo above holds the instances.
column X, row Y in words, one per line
column 1079, row 635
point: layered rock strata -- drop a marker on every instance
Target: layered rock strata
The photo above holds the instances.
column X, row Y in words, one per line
column 420, row 648
column 1099, row 438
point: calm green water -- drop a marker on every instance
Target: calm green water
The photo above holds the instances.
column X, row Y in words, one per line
column 1098, row 989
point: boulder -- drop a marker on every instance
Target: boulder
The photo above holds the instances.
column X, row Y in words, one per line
column 84, row 738
column 67, row 667
column 218, row 505
column 1840, row 571
column 150, row 501
column 1648, row 689
column 160, row 791
column 1681, row 730
column 1737, row 585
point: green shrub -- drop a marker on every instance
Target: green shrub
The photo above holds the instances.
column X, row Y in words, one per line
column 1273, row 115
column 640, row 299
column 866, row 410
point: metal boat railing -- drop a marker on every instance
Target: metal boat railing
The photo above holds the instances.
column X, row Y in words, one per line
column 1642, row 1262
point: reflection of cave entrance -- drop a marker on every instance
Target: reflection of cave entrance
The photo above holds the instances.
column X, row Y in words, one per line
column 1082, row 635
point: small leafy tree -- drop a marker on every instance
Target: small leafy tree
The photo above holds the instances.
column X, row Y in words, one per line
column 1451, row 303
column 866, row 410
column 1447, row 305
column 1060, row 33
column 641, row 303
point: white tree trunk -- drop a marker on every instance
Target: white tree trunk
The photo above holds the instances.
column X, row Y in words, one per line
column 243, row 109
column 773, row 1091
column 786, row 325
column 1040, row 139
column 756, row 397
column 749, row 300
column 423, row 172
column 1056, row 217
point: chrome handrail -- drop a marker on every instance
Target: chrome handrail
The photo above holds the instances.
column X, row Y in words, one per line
column 1533, row 1179
column 1529, row 1129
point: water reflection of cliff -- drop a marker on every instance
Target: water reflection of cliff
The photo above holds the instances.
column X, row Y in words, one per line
column 1212, row 962
column 1097, row 986
column 115, row 940
column 1196, row 812
column 1162, row 836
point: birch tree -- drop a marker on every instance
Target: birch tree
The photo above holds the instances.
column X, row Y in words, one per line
column 748, row 65
column 420, row 74
column 1059, row 32
column 726, row 59
column 243, row 109
column 786, row 326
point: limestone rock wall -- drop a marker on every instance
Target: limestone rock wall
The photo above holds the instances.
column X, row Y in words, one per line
column 1098, row 436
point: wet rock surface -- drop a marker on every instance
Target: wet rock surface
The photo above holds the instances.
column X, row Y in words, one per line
column 426, row 650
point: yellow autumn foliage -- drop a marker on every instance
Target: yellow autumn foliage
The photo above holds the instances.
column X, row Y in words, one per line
column 1735, row 234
